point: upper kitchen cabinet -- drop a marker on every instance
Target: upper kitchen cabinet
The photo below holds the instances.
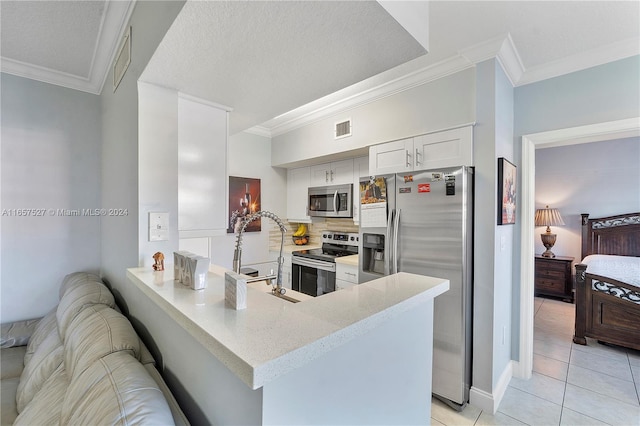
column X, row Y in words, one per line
column 202, row 168
column 391, row 157
column 335, row 173
column 297, row 192
column 444, row 149
column 435, row 150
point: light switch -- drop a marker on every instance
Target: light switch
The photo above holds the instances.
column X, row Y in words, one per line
column 158, row 226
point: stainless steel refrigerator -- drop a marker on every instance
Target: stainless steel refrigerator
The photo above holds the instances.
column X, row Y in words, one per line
column 422, row 223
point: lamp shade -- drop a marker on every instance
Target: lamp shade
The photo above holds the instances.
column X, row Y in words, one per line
column 548, row 217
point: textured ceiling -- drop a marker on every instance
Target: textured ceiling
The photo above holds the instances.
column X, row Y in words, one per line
column 271, row 60
column 56, row 44
column 68, row 43
column 265, row 58
column 542, row 31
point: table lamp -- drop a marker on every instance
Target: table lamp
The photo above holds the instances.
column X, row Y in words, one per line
column 547, row 217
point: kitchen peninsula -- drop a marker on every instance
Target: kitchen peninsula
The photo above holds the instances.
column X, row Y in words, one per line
column 356, row 356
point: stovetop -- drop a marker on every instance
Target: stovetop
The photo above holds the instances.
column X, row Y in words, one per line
column 334, row 244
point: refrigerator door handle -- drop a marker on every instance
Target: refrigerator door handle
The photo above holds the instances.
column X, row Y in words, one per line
column 396, row 225
column 388, row 249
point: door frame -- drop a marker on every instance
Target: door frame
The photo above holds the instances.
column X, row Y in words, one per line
column 569, row 136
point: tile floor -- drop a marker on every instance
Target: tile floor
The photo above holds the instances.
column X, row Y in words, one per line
column 571, row 384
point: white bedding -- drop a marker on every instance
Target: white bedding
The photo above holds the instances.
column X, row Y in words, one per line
column 621, row 268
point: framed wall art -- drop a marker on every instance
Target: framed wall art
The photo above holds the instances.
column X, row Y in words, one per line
column 244, row 199
column 507, row 192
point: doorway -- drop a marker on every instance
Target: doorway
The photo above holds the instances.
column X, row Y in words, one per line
column 570, row 136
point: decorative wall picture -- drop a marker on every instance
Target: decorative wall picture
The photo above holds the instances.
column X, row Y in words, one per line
column 507, row 201
column 244, row 199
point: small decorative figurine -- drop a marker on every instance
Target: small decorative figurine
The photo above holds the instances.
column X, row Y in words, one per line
column 159, row 261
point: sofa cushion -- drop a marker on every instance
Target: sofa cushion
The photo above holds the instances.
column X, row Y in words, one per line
column 12, row 362
column 116, row 390
column 17, row 333
column 76, row 298
column 46, row 405
column 8, row 388
column 75, row 279
column 95, row 332
column 47, row 325
column 44, row 362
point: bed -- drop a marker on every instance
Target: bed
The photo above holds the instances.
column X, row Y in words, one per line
column 608, row 281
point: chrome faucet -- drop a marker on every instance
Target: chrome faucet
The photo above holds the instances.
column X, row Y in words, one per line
column 277, row 289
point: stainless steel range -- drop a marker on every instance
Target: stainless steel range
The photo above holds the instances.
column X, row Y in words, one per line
column 314, row 270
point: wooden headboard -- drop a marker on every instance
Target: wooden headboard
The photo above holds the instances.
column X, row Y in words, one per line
column 617, row 235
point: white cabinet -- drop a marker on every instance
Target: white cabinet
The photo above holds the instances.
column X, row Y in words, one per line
column 444, row 149
column 360, row 172
column 391, row 157
column 297, row 193
column 202, row 170
column 335, row 173
column 346, row 275
column 436, row 150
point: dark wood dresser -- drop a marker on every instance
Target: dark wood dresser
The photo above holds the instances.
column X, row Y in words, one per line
column 553, row 277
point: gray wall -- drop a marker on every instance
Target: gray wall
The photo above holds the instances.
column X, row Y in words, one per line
column 601, row 178
column 50, row 160
column 493, row 276
column 604, row 93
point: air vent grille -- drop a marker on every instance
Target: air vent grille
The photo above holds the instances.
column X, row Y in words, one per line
column 122, row 60
column 343, row 129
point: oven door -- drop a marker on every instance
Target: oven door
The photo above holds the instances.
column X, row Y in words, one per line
column 312, row 277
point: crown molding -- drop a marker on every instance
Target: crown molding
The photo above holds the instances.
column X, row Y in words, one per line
column 311, row 113
column 504, row 50
column 260, row 131
column 501, row 48
column 594, row 57
column 112, row 27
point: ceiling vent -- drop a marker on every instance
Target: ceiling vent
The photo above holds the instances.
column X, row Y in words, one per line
column 122, row 60
column 343, row 129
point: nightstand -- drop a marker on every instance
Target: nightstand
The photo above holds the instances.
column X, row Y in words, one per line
column 553, row 277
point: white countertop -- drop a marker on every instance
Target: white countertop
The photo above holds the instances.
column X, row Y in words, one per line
column 273, row 336
column 348, row 260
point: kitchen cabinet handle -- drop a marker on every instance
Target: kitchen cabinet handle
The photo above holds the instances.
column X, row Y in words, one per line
column 350, row 273
column 417, row 154
column 331, row 175
column 326, row 176
column 408, row 159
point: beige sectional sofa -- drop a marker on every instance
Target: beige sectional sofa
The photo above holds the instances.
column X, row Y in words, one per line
column 82, row 363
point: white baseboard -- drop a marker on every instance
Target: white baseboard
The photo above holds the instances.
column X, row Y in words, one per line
column 489, row 402
column 519, row 371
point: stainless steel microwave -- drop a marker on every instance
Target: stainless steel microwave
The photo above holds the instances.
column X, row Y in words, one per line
column 330, row 201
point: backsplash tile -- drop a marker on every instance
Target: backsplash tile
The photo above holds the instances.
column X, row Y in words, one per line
column 315, row 231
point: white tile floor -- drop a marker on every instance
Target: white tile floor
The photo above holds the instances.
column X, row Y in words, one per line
column 571, row 384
